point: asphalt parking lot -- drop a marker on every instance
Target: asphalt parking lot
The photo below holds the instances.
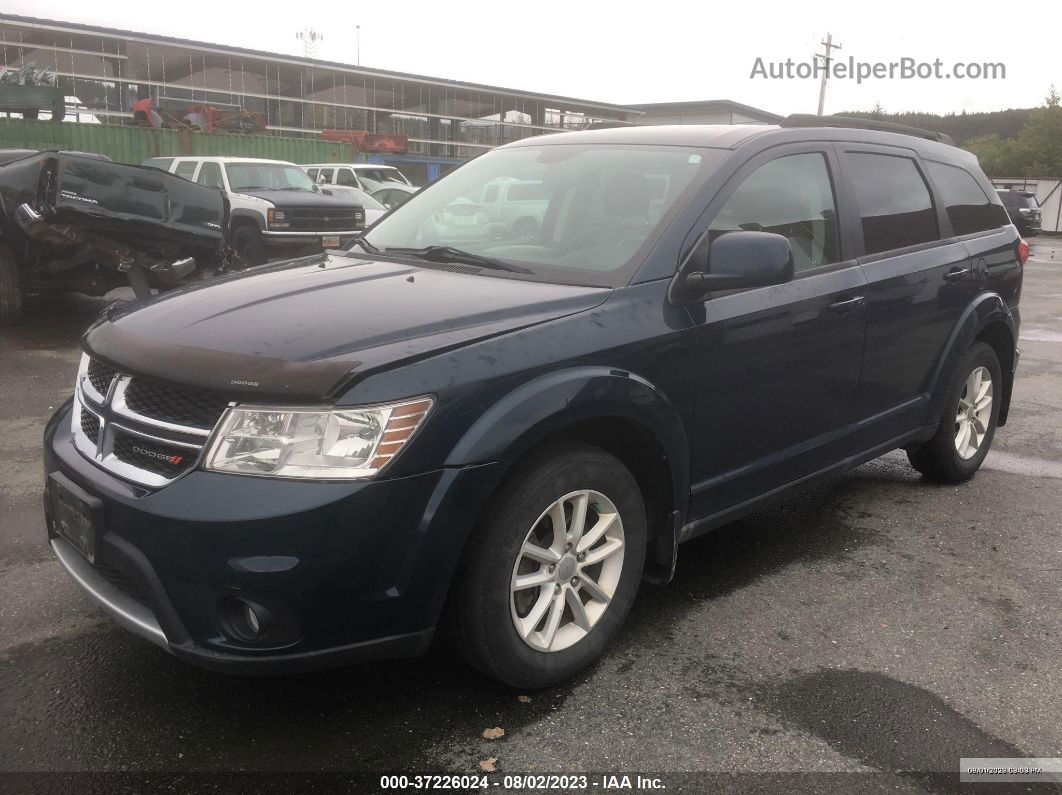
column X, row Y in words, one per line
column 880, row 623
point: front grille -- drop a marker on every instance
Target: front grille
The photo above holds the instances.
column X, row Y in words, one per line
column 315, row 219
column 120, row 582
column 141, row 429
column 100, row 376
column 90, row 425
column 177, row 405
column 158, row 457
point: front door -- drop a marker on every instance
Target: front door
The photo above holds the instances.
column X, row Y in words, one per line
column 778, row 366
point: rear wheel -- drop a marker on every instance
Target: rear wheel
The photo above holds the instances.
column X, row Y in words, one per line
column 248, row 246
column 970, row 415
column 549, row 576
column 10, row 287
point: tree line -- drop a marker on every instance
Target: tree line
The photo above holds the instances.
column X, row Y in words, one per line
column 1019, row 142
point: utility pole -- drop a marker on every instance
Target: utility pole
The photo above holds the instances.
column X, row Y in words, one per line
column 357, row 39
column 825, row 59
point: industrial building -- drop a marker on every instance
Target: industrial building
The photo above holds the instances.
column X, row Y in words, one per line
column 103, row 72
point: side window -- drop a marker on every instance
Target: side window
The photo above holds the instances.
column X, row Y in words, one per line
column 894, row 202
column 791, row 196
column 159, row 162
column 968, row 208
column 186, row 168
column 312, row 173
column 345, row 176
column 325, row 176
column 490, row 195
column 210, row 175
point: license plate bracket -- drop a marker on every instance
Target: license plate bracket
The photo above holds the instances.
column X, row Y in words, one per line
column 74, row 514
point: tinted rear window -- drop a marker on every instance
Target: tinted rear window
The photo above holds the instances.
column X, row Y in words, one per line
column 968, row 206
column 894, row 202
column 1015, row 200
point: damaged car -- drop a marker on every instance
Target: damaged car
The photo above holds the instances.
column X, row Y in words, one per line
column 80, row 222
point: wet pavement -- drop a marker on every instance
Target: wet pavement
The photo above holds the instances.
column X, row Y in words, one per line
column 877, row 623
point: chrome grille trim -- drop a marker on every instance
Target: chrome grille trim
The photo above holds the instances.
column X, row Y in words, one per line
column 120, row 407
column 115, row 417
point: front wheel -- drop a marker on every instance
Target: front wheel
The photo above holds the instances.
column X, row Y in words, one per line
column 248, row 246
column 970, row 415
column 550, row 574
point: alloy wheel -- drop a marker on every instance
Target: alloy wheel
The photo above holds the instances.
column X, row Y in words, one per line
column 567, row 571
column 974, row 413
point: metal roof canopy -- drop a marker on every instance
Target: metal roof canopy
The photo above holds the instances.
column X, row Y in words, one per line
column 565, row 103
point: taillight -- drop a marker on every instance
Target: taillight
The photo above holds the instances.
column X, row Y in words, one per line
column 1023, row 252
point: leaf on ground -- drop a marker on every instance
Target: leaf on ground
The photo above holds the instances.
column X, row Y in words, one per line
column 494, row 734
column 488, row 765
column 524, row 699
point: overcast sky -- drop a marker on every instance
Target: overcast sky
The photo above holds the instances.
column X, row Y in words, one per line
column 636, row 52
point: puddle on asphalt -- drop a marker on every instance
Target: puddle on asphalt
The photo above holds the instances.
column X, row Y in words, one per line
column 884, row 723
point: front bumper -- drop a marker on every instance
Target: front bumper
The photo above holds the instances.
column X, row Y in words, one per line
column 352, row 571
column 283, row 238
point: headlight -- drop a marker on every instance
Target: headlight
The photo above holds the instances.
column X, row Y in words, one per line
column 340, row 444
column 278, row 219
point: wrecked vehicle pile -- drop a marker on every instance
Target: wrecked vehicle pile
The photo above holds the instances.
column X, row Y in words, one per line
column 75, row 221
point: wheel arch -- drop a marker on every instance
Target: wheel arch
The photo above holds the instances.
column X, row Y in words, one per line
column 620, row 412
column 987, row 319
column 239, row 216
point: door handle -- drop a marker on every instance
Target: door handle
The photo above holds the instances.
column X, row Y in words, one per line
column 845, row 306
column 955, row 274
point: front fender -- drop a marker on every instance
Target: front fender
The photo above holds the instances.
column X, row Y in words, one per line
column 544, row 406
column 986, row 309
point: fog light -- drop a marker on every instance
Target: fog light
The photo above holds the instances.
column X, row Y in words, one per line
column 246, row 620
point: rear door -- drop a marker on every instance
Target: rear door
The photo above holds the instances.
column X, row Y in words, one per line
column 778, row 366
column 916, row 272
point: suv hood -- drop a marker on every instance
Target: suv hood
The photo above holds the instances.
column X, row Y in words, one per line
column 299, row 198
column 306, row 329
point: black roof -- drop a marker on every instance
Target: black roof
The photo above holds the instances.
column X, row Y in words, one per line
column 708, row 106
column 732, row 136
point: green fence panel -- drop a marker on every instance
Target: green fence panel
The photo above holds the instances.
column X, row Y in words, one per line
column 136, row 144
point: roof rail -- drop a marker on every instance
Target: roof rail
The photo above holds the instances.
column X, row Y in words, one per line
column 849, row 122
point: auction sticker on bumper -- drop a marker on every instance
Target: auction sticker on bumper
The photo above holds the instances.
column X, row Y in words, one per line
column 73, row 514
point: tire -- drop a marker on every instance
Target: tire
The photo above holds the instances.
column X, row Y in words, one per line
column 940, row 458
column 248, row 246
column 486, row 606
column 10, row 287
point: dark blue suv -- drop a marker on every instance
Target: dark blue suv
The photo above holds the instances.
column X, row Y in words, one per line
column 455, row 425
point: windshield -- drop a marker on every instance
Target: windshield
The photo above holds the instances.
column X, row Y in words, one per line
column 366, row 201
column 381, row 175
column 267, row 176
column 567, row 212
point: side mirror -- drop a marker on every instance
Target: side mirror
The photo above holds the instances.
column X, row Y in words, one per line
column 736, row 260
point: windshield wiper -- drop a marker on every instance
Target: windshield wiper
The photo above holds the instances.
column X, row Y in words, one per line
column 451, row 254
column 365, row 244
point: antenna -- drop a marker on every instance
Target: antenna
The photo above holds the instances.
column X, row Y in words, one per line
column 309, row 38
